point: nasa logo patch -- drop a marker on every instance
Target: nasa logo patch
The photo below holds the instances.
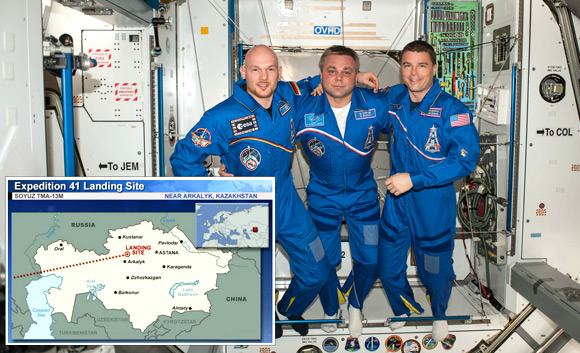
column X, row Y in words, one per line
column 244, row 125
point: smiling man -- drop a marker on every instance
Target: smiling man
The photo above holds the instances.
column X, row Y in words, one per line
column 253, row 133
column 433, row 143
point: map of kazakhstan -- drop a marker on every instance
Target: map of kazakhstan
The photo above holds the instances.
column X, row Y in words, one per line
column 128, row 276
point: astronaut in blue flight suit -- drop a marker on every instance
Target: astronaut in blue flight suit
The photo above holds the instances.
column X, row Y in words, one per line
column 253, row 133
column 433, row 143
column 338, row 131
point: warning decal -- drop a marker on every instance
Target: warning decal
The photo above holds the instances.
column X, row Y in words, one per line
column 126, row 92
column 102, row 56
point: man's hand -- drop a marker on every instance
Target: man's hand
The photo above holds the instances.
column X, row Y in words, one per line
column 223, row 173
column 369, row 79
column 399, row 183
column 318, row 91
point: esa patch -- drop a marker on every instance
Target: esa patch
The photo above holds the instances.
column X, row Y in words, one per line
column 311, row 120
column 250, row 158
column 285, row 108
column 201, row 137
column 244, row 125
column 433, row 112
column 365, row 114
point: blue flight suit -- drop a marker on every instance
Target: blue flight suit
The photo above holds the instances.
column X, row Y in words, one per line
column 250, row 142
column 342, row 185
column 436, row 144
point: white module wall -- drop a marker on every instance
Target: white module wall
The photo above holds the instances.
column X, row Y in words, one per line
column 22, row 141
column 371, row 25
column 203, row 60
column 550, row 188
column 113, row 104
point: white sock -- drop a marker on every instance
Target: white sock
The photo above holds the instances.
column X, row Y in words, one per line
column 440, row 330
column 331, row 326
column 354, row 322
column 393, row 325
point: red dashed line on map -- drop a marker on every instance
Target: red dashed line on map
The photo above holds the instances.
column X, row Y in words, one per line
column 126, row 254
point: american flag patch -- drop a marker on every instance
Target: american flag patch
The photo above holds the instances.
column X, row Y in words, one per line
column 460, row 119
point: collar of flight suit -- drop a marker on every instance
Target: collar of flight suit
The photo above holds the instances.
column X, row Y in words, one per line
column 428, row 101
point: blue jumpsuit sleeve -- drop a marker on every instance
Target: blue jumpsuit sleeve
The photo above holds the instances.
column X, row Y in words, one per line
column 313, row 81
column 384, row 115
column 306, row 86
column 188, row 157
column 461, row 158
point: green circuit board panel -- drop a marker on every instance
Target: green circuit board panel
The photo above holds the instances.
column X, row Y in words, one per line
column 452, row 31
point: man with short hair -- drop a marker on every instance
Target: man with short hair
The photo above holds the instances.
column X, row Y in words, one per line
column 253, row 133
column 338, row 131
column 433, row 143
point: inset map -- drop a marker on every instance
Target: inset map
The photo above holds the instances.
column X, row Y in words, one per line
column 232, row 225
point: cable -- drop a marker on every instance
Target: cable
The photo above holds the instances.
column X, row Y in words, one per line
column 477, row 214
column 228, row 19
column 342, row 20
column 265, row 22
column 395, row 40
